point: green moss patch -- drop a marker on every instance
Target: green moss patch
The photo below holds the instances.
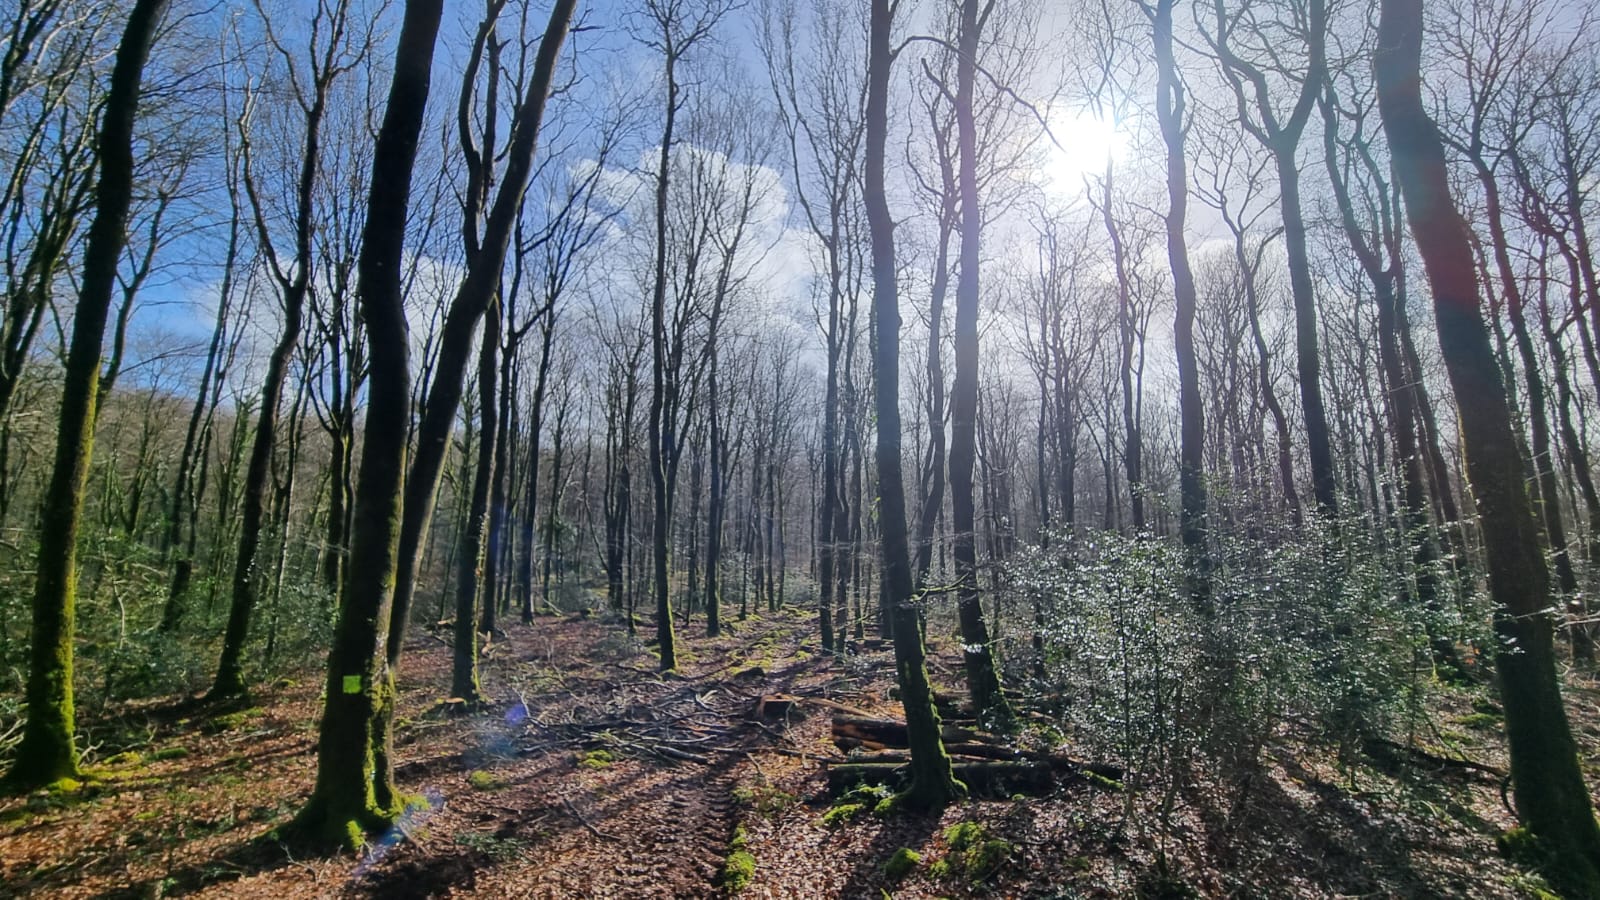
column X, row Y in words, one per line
column 764, row 799
column 842, row 814
column 901, row 863
column 962, row 835
column 974, row 855
column 1102, row 782
column 595, row 759
column 234, row 720
column 64, row 786
column 738, row 871
column 484, row 781
column 496, row 848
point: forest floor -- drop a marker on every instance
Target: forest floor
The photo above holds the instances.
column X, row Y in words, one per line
column 591, row 775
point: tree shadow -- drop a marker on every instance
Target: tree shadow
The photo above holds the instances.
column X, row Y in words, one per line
column 903, row 830
column 255, row 856
column 1330, row 838
column 417, row 877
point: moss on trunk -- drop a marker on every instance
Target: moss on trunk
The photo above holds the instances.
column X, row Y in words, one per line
column 47, row 753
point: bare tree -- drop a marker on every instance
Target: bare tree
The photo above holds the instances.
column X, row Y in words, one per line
column 1265, row 29
column 47, row 751
column 933, row 785
column 1171, row 106
column 1551, row 798
column 672, row 28
column 332, row 50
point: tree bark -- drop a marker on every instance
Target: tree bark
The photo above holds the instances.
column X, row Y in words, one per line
column 1551, row 798
column 530, row 506
column 47, row 752
column 1170, row 106
column 662, row 432
column 472, row 298
column 983, row 680
column 355, row 793
column 469, row 580
column 933, row 786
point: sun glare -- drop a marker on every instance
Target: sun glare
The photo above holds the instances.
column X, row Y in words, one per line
column 1082, row 144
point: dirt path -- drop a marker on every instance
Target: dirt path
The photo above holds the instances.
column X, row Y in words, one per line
column 612, row 782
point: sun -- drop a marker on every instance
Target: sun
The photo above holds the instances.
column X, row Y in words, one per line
column 1083, row 144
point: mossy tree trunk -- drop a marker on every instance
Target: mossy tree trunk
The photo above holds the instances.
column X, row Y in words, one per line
column 47, row 751
column 1551, row 798
column 933, row 784
column 354, row 793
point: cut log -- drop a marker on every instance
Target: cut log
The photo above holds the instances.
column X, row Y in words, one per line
column 836, row 706
column 775, row 706
column 958, row 756
column 990, row 762
column 886, row 732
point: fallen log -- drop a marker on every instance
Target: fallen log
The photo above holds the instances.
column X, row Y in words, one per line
column 990, row 751
column 836, row 706
column 1393, row 753
column 892, row 733
column 994, row 779
column 887, row 732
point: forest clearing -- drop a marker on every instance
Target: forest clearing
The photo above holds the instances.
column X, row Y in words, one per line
column 574, row 798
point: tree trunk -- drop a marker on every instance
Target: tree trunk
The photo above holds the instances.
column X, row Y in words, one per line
column 530, row 506
column 469, row 581
column 355, row 793
column 1170, row 106
column 472, row 298
column 1581, row 633
column 1319, row 444
column 717, row 449
column 1551, row 798
column 661, row 431
column 230, row 670
column 552, row 516
column 1401, row 388
column 46, row 752
column 185, row 497
column 983, row 679
column 934, row 469
column 933, row 786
